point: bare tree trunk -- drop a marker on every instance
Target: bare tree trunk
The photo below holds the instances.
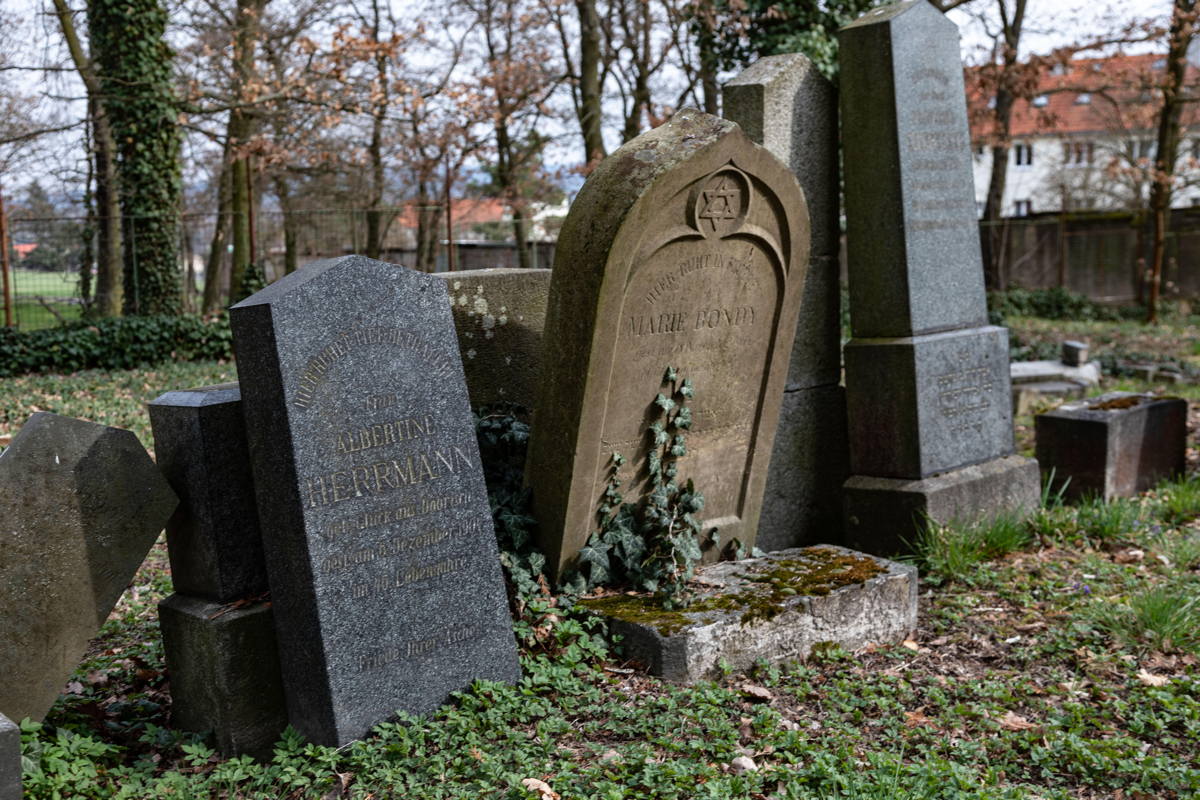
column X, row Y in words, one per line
column 110, row 257
column 375, row 221
column 589, row 81
column 429, row 220
column 214, row 277
column 291, row 230
column 1183, row 21
column 521, row 235
column 709, row 63
column 994, row 232
column 241, row 126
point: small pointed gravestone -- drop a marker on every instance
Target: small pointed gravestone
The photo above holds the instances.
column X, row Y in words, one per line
column 80, row 506
column 688, row 247
column 927, row 379
column 385, row 578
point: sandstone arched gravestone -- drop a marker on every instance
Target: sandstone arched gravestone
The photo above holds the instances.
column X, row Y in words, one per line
column 687, row 247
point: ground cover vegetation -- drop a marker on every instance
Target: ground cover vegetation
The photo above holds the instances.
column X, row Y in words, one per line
column 1055, row 658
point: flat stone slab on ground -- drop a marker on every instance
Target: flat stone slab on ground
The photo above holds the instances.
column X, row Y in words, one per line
column 1039, row 371
column 224, row 668
column 1115, row 445
column 775, row 608
column 80, row 506
column 1028, row 397
column 10, row 759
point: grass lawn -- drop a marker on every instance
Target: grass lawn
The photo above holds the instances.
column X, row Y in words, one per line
column 59, row 289
column 1056, row 658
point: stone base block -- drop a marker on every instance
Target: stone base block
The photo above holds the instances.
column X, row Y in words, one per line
column 922, row 405
column 802, row 503
column 10, row 759
column 884, row 515
column 224, row 670
column 1115, row 445
column 772, row 609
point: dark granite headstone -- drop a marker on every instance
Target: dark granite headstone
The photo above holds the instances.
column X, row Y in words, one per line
column 382, row 560
column 213, row 537
column 1115, row 445
column 80, row 506
column 927, row 380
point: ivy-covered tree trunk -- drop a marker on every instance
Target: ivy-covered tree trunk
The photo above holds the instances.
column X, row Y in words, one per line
column 134, row 66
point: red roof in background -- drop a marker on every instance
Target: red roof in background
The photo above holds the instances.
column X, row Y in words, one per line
column 1119, row 88
column 23, row 250
column 465, row 210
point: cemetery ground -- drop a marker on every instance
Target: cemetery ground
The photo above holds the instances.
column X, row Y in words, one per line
column 1055, row 658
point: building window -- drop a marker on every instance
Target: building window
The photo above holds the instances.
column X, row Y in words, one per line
column 1023, row 154
column 1146, row 148
column 1041, row 101
column 1023, row 208
column 1078, row 154
column 1083, row 99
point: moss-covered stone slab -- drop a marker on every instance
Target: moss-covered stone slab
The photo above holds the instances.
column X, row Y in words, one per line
column 776, row 608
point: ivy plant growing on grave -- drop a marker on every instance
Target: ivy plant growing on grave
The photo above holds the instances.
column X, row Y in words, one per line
column 654, row 543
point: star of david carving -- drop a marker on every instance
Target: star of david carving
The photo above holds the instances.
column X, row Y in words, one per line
column 721, row 202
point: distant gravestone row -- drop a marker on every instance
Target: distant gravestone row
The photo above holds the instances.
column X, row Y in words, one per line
column 329, row 532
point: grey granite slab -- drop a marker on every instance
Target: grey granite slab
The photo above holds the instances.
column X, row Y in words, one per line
column 927, row 404
column 786, row 105
column 213, row 537
column 384, row 572
column 912, row 231
column 80, row 506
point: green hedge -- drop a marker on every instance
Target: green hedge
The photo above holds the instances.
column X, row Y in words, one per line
column 117, row 343
column 1056, row 304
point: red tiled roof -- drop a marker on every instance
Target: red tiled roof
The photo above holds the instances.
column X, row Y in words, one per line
column 1090, row 95
column 466, row 211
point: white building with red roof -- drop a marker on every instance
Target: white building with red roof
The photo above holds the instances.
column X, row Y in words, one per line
column 1087, row 139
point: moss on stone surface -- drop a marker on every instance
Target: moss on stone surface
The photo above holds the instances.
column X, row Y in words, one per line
column 761, row 596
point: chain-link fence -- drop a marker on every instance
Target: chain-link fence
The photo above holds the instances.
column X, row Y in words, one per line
column 49, row 279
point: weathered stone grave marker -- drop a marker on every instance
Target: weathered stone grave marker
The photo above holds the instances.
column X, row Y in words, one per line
column 384, row 572
column 785, row 104
column 687, row 247
column 927, row 379
column 218, row 632
column 80, row 506
column 499, row 315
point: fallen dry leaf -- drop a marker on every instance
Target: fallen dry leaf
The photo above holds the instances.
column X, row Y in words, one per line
column 756, row 694
column 1152, row 680
column 542, row 788
column 910, row 644
column 1130, row 556
column 915, row 719
column 1015, row 722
